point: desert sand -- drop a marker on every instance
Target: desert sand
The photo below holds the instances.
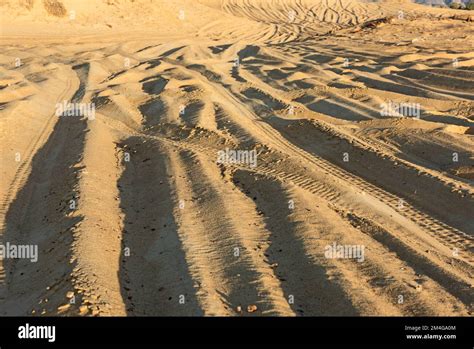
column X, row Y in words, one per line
column 132, row 212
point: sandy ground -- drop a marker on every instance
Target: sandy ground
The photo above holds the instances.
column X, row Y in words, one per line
column 157, row 226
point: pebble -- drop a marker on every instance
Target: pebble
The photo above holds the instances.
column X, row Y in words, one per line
column 252, row 308
column 83, row 309
column 64, row 307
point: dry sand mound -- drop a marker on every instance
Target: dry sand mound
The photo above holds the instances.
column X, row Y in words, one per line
column 360, row 115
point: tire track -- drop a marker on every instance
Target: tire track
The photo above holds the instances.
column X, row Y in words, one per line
column 33, row 218
column 21, row 176
column 233, row 253
column 154, row 275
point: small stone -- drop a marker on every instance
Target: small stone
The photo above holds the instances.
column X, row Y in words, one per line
column 83, row 309
column 238, row 309
column 70, row 294
column 252, row 308
column 64, row 307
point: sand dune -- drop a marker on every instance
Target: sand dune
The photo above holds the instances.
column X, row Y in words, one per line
column 361, row 116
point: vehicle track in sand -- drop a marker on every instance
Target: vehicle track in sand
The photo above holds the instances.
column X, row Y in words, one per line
column 23, row 171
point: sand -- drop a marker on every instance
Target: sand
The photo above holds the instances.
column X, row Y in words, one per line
column 132, row 211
